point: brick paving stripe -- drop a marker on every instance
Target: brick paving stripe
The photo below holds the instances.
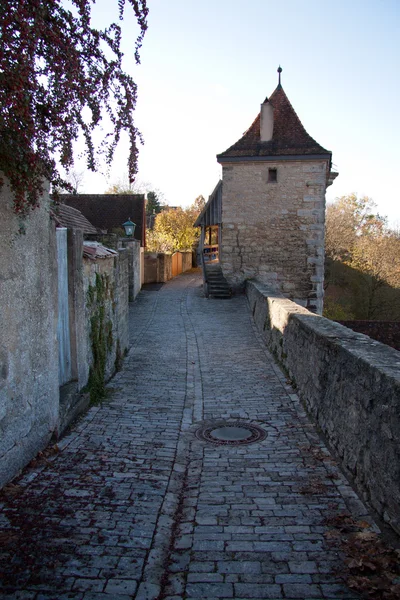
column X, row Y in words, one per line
column 136, row 506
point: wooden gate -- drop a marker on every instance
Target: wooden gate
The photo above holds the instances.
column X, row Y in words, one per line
column 176, row 264
column 63, row 334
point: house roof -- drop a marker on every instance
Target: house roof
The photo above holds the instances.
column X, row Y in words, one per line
column 95, row 250
column 110, row 211
column 70, row 217
column 212, row 211
column 289, row 137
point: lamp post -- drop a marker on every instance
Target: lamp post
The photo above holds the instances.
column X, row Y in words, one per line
column 129, row 228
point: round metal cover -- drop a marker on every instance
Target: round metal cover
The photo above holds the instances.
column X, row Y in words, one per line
column 231, row 434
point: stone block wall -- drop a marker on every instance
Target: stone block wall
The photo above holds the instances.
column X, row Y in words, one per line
column 28, row 334
column 134, row 262
column 150, row 267
column 158, row 267
column 135, row 275
column 122, row 280
column 349, row 383
column 275, row 231
column 106, row 284
column 33, row 406
column 164, row 267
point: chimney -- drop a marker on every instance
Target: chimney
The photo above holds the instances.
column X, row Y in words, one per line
column 267, row 121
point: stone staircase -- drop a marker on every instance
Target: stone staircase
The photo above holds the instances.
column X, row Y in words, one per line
column 217, row 286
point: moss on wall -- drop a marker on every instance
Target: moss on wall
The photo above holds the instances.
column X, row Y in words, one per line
column 101, row 335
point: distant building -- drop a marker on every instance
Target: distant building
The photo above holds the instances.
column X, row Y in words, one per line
column 109, row 211
column 266, row 218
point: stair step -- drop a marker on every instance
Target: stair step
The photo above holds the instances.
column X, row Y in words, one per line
column 218, row 287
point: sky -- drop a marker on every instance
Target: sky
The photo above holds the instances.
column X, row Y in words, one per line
column 207, row 66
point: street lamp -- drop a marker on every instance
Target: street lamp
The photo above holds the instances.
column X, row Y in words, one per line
column 129, row 228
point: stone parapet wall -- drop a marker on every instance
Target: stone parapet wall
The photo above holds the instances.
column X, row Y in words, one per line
column 28, row 334
column 275, row 231
column 349, row 383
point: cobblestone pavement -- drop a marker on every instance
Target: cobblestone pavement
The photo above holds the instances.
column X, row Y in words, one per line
column 136, row 506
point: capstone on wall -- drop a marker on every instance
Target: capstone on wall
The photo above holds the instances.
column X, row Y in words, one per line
column 29, row 390
column 274, row 231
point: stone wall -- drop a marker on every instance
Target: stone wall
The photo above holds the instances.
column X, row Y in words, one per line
column 71, row 401
column 275, row 231
column 122, row 277
column 150, row 267
column 349, row 383
column 164, row 267
column 106, row 284
column 32, row 405
column 158, row 266
column 28, row 334
column 135, row 276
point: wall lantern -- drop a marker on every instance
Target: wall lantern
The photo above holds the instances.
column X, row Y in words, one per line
column 129, row 228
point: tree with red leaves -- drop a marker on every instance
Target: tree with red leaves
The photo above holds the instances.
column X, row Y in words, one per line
column 58, row 78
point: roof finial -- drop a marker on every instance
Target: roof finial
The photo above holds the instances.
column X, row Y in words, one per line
column 279, row 69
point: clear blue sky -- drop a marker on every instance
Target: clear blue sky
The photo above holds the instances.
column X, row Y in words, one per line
column 207, row 66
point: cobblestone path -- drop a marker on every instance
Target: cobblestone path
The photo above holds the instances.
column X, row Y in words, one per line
column 136, row 506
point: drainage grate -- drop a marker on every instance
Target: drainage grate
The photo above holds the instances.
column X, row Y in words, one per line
column 231, row 434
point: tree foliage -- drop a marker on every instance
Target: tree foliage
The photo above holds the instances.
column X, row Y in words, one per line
column 173, row 230
column 75, row 178
column 199, row 204
column 363, row 261
column 153, row 204
column 59, row 77
column 154, row 199
column 124, row 189
column 349, row 219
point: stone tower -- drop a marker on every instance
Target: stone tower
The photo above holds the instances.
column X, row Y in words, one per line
column 273, row 205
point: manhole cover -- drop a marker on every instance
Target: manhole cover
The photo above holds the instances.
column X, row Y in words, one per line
column 231, row 434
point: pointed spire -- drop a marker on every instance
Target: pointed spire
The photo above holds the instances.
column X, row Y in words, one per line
column 279, row 70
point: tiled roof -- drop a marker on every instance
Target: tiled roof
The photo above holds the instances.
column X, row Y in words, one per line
column 95, row 250
column 289, row 137
column 110, row 211
column 66, row 216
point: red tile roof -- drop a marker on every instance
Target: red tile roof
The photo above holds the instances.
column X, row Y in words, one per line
column 70, row 217
column 289, row 137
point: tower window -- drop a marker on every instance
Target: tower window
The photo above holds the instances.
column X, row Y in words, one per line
column 272, row 175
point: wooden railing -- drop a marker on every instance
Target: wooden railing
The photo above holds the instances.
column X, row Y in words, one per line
column 210, row 253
